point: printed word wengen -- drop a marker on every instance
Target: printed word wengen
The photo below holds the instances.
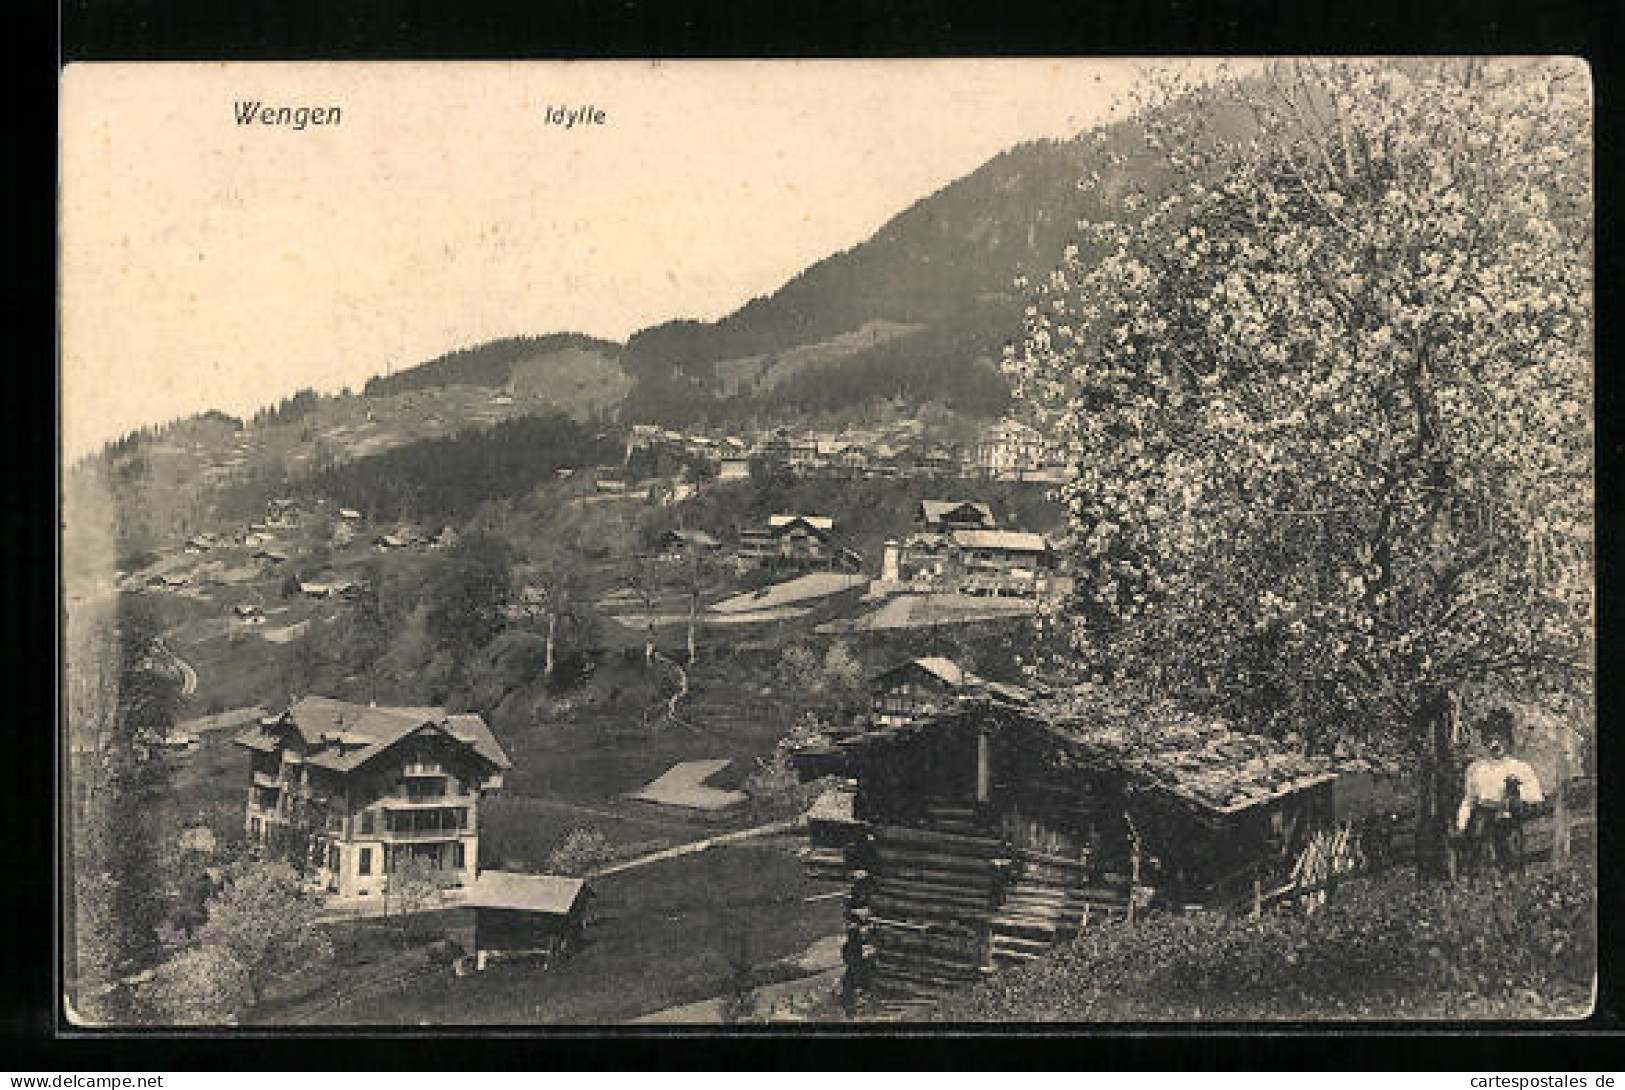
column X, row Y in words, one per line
column 294, row 117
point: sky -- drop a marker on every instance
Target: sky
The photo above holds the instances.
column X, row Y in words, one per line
column 211, row 265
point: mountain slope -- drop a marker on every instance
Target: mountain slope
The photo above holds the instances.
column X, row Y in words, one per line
column 494, row 364
column 938, row 278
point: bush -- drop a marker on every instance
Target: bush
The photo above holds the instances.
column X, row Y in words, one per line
column 774, row 787
column 1385, row 948
column 203, row 986
column 583, row 850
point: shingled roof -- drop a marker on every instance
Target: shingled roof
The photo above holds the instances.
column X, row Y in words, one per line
column 1009, row 540
column 344, row 735
column 935, row 511
column 1197, row 759
column 544, row 893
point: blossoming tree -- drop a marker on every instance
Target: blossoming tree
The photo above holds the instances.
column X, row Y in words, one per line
column 1326, row 376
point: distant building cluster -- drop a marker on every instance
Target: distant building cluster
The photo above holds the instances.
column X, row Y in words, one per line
column 1005, row 450
column 957, row 547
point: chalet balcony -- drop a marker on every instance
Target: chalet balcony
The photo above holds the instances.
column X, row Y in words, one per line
column 264, row 813
column 267, row 779
column 425, row 802
column 418, row 836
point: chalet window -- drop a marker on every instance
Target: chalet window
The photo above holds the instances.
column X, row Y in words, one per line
column 457, row 857
column 333, row 857
column 364, row 864
column 367, row 818
column 254, row 825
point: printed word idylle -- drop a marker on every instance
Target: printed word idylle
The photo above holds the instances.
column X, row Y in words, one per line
column 567, row 118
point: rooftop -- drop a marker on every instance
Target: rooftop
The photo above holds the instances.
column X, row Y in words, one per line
column 525, row 892
column 347, row 735
column 1013, row 540
column 937, row 510
column 817, row 522
column 1196, row 757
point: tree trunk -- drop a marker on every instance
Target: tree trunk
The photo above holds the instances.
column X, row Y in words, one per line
column 1435, row 811
column 552, row 624
column 693, row 610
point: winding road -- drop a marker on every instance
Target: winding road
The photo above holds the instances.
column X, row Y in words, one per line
column 188, row 675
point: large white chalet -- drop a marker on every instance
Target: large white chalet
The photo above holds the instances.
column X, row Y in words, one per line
column 357, row 790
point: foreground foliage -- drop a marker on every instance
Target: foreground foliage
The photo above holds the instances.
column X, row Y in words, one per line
column 258, row 929
column 1329, row 393
column 1385, row 948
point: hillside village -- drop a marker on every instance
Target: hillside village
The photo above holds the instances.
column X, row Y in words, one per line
column 778, row 668
column 718, row 581
column 671, row 713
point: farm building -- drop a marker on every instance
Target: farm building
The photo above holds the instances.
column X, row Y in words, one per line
column 941, row 516
column 675, row 544
column 988, row 827
column 341, row 588
column 797, row 541
column 924, row 687
column 529, row 916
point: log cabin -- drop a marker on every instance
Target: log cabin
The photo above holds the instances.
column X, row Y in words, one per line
column 1004, row 822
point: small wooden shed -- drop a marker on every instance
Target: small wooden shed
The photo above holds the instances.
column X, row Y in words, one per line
column 526, row 915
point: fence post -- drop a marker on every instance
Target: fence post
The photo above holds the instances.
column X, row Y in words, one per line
column 1258, row 893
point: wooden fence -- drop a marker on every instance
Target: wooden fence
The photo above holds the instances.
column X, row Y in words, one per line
column 1545, row 837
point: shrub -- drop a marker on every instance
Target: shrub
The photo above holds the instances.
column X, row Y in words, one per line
column 581, row 851
column 1385, row 948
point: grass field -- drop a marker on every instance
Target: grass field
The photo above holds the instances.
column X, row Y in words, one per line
column 658, row 936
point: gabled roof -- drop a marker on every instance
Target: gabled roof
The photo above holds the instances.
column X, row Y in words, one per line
column 946, row 670
column 835, row 805
column 345, row 736
column 473, row 730
column 693, row 537
column 937, row 510
column 1012, row 429
column 544, row 893
column 1012, row 540
column 817, row 522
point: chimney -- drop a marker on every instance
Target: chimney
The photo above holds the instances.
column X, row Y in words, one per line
column 888, row 563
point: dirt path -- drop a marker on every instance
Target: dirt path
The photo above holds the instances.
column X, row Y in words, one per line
column 188, row 675
column 698, row 846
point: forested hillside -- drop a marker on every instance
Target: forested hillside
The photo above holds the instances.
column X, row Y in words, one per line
column 489, row 364
column 446, row 479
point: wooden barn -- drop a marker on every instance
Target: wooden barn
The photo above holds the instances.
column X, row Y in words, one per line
column 527, row 916
column 987, row 832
